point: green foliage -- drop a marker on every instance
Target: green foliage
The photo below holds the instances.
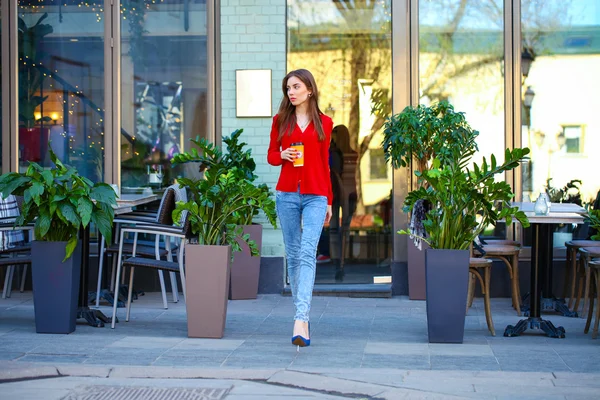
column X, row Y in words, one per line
column 238, row 159
column 593, row 218
column 464, row 201
column 423, row 133
column 60, row 201
column 570, row 193
column 226, row 197
column 30, row 77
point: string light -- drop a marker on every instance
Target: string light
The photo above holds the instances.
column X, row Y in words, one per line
column 135, row 14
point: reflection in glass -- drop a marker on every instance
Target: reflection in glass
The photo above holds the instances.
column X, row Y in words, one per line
column 560, row 125
column 163, row 86
column 560, row 102
column 61, row 84
column 347, row 47
column 1, row 72
column 461, row 59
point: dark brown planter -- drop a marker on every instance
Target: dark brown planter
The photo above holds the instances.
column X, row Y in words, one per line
column 245, row 269
column 207, row 270
column 447, row 275
column 416, row 271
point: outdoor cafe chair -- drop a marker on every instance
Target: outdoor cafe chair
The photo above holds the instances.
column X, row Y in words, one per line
column 594, row 266
column 170, row 232
column 586, row 254
column 508, row 252
column 12, row 257
column 162, row 216
column 573, row 271
column 477, row 266
column 14, row 249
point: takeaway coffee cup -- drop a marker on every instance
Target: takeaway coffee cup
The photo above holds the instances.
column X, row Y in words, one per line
column 298, row 162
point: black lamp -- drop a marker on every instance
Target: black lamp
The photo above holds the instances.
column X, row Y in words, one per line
column 529, row 95
column 527, row 58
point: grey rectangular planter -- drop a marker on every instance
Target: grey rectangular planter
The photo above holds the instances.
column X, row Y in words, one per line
column 207, row 270
column 55, row 286
column 245, row 269
column 447, row 278
column 416, row 270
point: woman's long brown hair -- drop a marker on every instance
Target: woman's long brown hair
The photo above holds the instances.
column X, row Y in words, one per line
column 286, row 120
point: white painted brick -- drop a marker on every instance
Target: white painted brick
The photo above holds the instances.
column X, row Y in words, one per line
column 256, row 48
column 246, row 19
column 277, row 19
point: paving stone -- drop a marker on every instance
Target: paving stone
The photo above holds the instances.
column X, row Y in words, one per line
column 10, row 355
column 402, row 349
column 21, row 370
column 464, row 363
column 395, row 361
column 148, row 342
column 462, row 350
column 54, row 358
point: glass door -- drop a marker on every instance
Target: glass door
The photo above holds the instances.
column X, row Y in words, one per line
column 163, row 87
column 348, row 48
column 461, row 60
column 61, row 84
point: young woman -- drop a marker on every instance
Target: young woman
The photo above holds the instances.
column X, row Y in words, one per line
column 300, row 138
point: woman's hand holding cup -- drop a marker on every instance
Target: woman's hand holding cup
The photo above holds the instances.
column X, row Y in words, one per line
column 293, row 154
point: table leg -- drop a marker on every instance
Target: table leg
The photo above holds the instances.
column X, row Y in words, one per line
column 548, row 303
column 540, row 256
column 95, row 318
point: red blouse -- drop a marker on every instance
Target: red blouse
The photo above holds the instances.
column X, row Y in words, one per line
column 313, row 177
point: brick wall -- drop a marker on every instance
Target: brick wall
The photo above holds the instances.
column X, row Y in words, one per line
column 253, row 36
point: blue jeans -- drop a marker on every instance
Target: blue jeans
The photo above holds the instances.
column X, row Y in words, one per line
column 301, row 217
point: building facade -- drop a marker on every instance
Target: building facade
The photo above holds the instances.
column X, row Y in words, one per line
column 116, row 87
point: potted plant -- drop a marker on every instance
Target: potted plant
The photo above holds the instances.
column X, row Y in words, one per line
column 59, row 202
column 216, row 204
column 245, row 268
column 414, row 138
column 463, row 202
column 570, row 193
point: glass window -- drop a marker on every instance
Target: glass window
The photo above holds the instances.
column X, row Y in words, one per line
column 461, row 59
column 560, row 95
column 1, row 72
column 61, row 84
column 163, row 87
column 347, row 47
column 572, row 139
column 378, row 168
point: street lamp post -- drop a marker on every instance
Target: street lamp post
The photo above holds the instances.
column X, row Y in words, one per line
column 527, row 168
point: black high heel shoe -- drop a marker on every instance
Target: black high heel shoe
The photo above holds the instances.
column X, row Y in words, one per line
column 300, row 340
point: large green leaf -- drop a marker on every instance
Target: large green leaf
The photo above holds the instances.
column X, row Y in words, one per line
column 71, row 244
column 42, row 225
column 104, row 193
column 84, row 208
column 103, row 222
column 69, row 213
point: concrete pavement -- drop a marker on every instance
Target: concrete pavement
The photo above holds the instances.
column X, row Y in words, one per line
column 361, row 348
